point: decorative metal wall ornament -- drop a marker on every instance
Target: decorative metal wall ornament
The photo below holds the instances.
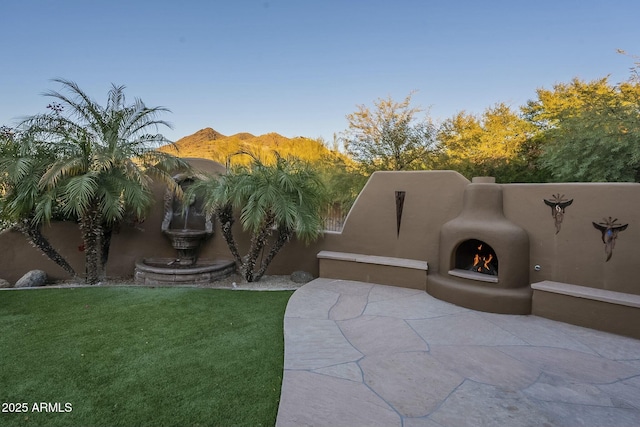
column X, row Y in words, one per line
column 399, row 206
column 558, row 204
column 609, row 229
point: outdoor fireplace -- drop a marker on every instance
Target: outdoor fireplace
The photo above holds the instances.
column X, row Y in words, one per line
column 484, row 257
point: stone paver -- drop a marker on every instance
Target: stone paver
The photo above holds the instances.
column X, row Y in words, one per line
column 414, row 383
column 348, row 307
column 317, row 393
column 358, row 354
column 313, row 344
column 486, row 365
column 398, row 335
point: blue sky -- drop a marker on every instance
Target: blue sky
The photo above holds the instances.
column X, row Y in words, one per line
column 299, row 67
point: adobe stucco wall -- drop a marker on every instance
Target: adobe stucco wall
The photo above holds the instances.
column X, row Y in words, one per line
column 17, row 256
column 127, row 245
column 574, row 255
column 431, row 199
column 143, row 240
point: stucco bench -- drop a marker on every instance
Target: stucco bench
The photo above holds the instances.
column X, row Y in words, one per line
column 403, row 272
column 602, row 309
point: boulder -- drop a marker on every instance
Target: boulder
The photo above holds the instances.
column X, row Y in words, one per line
column 32, row 279
column 4, row 283
column 301, row 277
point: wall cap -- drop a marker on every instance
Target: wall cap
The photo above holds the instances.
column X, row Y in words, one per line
column 374, row 259
column 613, row 297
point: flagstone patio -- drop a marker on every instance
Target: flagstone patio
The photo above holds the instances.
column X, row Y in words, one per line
column 359, row 354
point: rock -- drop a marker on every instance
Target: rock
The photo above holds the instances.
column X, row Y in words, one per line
column 32, row 279
column 4, row 283
column 301, row 277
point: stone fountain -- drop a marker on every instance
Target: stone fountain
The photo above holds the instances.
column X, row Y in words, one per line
column 187, row 226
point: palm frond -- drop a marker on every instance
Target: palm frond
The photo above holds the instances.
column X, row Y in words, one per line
column 61, row 169
column 79, row 193
column 82, row 106
column 43, row 210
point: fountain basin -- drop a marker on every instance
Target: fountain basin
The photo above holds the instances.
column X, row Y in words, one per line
column 186, row 242
column 168, row 271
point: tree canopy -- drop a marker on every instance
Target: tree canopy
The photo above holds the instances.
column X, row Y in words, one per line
column 389, row 136
column 493, row 144
column 589, row 131
column 576, row 131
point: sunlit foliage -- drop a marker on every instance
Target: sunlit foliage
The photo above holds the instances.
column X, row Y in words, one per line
column 589, row 131
column 494, row 144
column 390, row 136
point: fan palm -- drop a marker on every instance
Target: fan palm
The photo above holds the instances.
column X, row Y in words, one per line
column 105, row 160
column 285, row 198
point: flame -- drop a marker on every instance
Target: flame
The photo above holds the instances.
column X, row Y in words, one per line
column 487, row 260
column 481, row 263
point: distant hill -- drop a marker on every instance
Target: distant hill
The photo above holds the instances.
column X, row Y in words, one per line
column 243, row 136
column 210, row 144
column 206, row 134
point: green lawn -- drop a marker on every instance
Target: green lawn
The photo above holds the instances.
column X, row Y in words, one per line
column 128, row 356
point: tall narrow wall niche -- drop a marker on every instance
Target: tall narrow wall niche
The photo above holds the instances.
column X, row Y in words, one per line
column 399, row 206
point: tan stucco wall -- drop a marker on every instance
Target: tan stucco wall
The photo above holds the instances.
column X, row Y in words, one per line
column 431, row 199
column 18, row 257
column 142, row 241
column 575, row 255
column 614, row 318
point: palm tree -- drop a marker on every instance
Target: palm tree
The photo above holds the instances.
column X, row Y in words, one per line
column 23, row 203
column 105, row 160
column 285, row 198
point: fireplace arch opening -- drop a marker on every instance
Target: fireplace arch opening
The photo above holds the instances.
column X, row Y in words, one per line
column 476, row 256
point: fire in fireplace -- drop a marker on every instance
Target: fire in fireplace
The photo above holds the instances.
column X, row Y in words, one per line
column 477, row 256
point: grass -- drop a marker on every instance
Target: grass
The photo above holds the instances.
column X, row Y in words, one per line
column 128, row 356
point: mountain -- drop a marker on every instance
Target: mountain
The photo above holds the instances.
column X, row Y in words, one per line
column 210, row 144
column 243, row 136
column 206, row 134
